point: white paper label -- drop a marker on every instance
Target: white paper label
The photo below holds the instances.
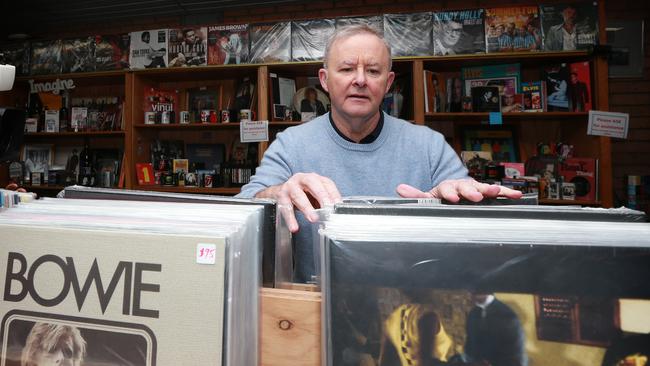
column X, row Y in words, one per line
column 205, row 253
column 254, row 131
column 608, row 124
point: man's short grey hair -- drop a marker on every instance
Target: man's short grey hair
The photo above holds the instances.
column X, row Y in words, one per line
column 353, row 30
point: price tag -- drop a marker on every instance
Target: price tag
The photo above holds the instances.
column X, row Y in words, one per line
column 496, row 118
column 254, row 131
column 205, row 253
column 608, row 124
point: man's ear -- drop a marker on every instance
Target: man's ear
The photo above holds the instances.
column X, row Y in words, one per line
column 322, row 76
column 389, row 82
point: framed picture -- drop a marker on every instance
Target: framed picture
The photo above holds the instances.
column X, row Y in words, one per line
column 627, row 56
column 37, row 158
column 499, row 140
column 279, row 112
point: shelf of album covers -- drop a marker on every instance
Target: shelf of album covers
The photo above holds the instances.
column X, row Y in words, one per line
column 206, row 126
column 457, row 61
column 226, row 191
column 483, row 116
column 75, row 134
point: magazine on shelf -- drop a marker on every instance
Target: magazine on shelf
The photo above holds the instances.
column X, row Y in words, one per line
column 228, row 44
column 458, row 32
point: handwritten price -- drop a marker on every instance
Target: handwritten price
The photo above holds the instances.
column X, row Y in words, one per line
column 206, row 253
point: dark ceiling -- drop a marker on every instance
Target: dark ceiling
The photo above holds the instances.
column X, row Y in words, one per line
column 47, row 18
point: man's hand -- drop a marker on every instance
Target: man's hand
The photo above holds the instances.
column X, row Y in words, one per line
column 14, row 187
column 454, row 189
column 303, row 191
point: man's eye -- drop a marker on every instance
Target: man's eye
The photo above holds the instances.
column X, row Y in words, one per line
column 373, row 72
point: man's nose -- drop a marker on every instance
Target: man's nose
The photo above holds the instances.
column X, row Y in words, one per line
column 360, row 77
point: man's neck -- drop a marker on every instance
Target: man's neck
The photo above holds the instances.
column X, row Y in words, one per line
column 355, row 129
column 569, row 27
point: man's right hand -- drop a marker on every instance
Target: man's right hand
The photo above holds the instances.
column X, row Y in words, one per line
column 302, row 191
column 14, row 187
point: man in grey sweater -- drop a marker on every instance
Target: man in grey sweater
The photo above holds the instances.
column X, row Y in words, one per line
column 356, row 149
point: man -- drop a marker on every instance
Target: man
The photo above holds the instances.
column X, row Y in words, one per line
column 446, row 38
column 494, row 334
column 562, row 37
column 578, row 94
column 504, row 38
column 355, row 149
column 311, row 103
column 53, row 344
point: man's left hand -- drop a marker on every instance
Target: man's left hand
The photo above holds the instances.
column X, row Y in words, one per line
column 453, row 190
column 14, row 187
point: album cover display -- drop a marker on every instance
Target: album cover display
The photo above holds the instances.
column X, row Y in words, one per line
column 569, row 26
column 458, row 32
column 507, row 77
column 78, row 55
column 309, row 38
column 515, row 28
column 17, row 54
column 270, row 42
column 46, row 57
column 484, row 291
column 151, row 289
column 228, row 44
column 188, row 47
column 557, row 78
column 374, row 21
column 148, row 49
column 112, row 52
column 407, row 34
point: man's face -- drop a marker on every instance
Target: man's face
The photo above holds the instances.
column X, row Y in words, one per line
column 452, row 32
column 190, row 36
column 499, row 30
column 357, row 76
column 569, row 15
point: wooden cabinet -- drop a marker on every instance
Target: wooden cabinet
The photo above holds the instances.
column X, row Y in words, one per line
column 136, row 136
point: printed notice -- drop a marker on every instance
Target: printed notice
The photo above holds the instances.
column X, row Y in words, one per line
column 254, row 131
column 608, row 124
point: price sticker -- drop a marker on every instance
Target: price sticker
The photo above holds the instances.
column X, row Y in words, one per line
column 206, row 253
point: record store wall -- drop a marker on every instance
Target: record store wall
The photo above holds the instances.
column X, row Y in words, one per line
column 628, row 95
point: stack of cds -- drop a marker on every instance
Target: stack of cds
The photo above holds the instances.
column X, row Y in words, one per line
column 134, row 283
column 493, row 285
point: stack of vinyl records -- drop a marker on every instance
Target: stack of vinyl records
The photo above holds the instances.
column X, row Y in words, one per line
column 499, row 285
column 101, row 282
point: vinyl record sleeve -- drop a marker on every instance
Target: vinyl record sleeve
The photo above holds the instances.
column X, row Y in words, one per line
column 18, row 54
column 148, row 49
column 374, row 21
column 46, row 57
column 408, row 34
column 458, row 32
column 584, row 16
column 188, row 47
column 270, row 42
column 515, row 28
column 228, row 44
column 112, row 52
column 152, row 286
column 386, row 278
column 309, row 38
column 78, row 55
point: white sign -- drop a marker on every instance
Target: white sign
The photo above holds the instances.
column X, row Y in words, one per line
column 55, row 86
column 206, row 253
column 608, row 124
column 254, row 131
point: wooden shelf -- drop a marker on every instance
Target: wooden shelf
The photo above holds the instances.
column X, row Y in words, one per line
column 513, row 116
column 230, row 191
column 190, row 126
column 77, row 134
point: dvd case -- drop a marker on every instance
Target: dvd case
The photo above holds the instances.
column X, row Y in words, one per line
column 127, row 283
column 148, row 49
column 270, row 42
column 458, row 32
column 112, row 52
column 309, row 38
column 228, row 44
column 188, row 47
column 78, row 55
column 408, row 34
column 481, row 290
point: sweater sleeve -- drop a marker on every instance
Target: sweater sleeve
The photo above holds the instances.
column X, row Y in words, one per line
column 445, row 163
column 274, row 169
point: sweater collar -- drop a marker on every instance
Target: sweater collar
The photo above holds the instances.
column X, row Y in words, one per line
column 370, row 138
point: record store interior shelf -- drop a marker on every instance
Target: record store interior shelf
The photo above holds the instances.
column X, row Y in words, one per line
column 225, row 80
